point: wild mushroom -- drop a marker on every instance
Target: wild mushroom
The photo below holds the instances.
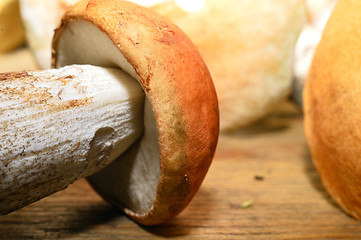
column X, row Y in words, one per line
column 331, row 107
column 156, row 177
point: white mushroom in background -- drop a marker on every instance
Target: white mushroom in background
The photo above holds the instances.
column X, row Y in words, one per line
column 318, row 14
column 248, row 47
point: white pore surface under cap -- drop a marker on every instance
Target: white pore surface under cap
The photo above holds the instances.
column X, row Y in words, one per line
column 132, row 179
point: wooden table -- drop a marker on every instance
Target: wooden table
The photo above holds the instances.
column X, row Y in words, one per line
column 267, row 163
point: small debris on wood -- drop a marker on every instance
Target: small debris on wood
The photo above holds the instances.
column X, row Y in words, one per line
column 258, row 178
column 235, row 205
column 245, row 204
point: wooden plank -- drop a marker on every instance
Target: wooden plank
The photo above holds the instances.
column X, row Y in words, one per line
column 268, row 163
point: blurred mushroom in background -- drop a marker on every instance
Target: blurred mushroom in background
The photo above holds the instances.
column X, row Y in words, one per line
column 318, row 13
column 11, row 26
column 248, row 47
column 40, row 19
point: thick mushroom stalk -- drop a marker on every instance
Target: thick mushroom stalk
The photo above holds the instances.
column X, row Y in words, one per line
column 60, row 125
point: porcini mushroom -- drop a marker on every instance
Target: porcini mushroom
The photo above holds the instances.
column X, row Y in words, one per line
column 156, row 177
column 331, row 107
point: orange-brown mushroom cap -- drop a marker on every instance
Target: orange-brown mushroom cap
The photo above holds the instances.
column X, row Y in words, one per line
column 332, row 97
column 180, row 91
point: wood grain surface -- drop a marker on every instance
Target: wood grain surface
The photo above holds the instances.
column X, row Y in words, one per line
column 267, row 163
column 261, row 185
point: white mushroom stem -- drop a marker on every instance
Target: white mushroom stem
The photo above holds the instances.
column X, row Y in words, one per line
column 59, row 125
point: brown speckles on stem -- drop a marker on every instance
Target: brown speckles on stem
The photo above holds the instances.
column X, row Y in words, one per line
column 13, row 75
column 77, row 103
column 22, row 86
